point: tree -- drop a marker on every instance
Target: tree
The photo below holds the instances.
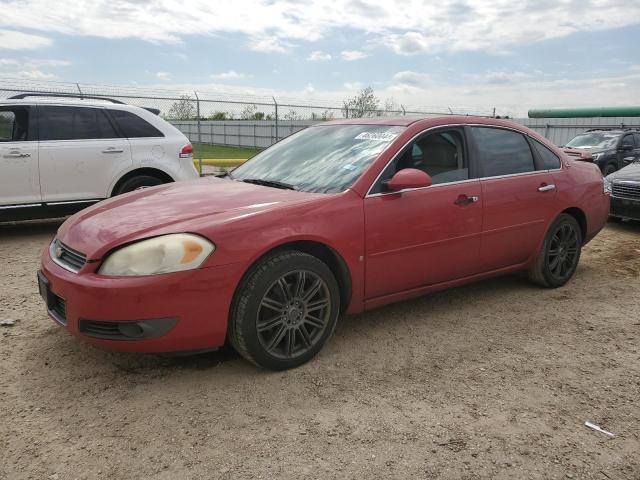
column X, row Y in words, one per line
column 218, row 116
column 364, row 104
column 183, row 109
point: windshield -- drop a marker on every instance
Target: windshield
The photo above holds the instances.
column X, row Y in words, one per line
column 321, row 159
column 594, row 140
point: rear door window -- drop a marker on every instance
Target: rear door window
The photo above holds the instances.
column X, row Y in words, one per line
column 133, row 126
column 549, row 159
column 14, row 124
column 628, row 140
column 501, row 152
column 74, row 123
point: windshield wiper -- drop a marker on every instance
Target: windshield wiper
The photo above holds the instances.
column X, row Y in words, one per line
column 270, row 183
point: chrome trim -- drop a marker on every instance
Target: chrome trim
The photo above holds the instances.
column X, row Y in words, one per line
column 24, row 205
column 457, row 125
column 373, row 195
column 56, row 260
column 71, row 202
column 546, row 188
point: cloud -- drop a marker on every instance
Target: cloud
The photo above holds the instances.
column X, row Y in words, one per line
column 230, row 75
column 351, row 55
column 13, row 40
column 164, row 76
column 319, row 56
column 309, row 89
column 32, row 69
column 353, row 85
column 411, row 79
column 270, row 45
column 407, row 28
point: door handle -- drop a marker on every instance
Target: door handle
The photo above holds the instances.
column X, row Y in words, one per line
column 463, row 200
column 113, row 150
column 546, row 188
column 17, row 155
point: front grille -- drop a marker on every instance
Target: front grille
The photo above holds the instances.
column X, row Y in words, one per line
column 67, row 257
column 101, row 329
column 59, row 308
column 626, row 190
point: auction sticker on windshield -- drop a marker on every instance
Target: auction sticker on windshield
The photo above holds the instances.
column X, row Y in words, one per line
column 379, row 136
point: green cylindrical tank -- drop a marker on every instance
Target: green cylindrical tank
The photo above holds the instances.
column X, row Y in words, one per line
column 584, row 112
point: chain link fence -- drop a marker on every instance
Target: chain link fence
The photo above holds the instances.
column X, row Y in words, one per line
column 218, row 118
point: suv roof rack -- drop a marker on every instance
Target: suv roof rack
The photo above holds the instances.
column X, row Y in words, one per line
column 21, row 96
column 614, row 129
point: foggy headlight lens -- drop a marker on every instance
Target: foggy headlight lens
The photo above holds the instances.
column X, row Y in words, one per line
column 606, row 185
column 164, row 254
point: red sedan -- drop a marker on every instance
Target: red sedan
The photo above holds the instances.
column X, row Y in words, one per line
column 342, row 217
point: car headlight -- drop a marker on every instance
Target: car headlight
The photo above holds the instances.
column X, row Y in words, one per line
column 606, row 185
column 596, row 156
column 164, row 254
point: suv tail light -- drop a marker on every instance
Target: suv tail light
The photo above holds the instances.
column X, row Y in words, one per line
column 187, row 151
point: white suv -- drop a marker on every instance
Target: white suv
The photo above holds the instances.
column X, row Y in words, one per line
column 59, row 156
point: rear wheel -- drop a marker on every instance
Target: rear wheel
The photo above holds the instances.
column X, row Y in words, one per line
column 139, row 181
column 609, row 169
column 285, row 310
column 560, row 253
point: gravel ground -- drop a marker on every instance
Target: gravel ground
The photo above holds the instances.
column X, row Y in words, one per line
column 491, row 380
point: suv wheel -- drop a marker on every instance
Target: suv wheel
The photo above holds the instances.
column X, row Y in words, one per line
column 140, row 181
column 609, row 169
column 284, row 311
column 560, row 253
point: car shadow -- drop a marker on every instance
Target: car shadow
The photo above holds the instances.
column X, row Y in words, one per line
column 29, row 228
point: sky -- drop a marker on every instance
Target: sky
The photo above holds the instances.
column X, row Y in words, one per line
column 461, row 54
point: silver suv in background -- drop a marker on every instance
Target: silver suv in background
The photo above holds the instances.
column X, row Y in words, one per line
column 59, row 153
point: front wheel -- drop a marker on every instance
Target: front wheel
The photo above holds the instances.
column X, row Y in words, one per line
column 560, row 253
column 284, row 311
column 609, row 169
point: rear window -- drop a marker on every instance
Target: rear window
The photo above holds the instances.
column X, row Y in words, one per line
column 133, row 126
column 502, row 152
column 74, row 123
column 14, row 124
column 549, row 159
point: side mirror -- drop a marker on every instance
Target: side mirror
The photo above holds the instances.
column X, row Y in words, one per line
column 408, row 178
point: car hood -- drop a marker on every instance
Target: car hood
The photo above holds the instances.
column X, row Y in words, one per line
column 578, row 154
column 176, row 207
column 628, row 173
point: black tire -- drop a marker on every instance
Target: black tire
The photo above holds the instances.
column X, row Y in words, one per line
column 271, row 324
column 560, row 253
column 137, row 182
column 609, row 169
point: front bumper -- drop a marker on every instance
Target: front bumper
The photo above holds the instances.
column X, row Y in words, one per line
column 625, row 208
column 184, row 310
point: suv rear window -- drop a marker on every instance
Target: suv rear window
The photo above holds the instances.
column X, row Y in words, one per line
column 132, row 126
column 74, row 123
column 14, row 124
column 502, row 152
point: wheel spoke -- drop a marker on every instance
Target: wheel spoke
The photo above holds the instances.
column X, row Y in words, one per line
column 277, row 338
column 269, row 324
column 304, row 335
column 284, row 289
column 309, row 294
column 554, row 263
column 291, row 340
column 314, row 321
column 317, row 304
column 302, row 277
column 272, row 303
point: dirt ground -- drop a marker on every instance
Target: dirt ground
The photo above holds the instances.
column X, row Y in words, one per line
column 491, row 380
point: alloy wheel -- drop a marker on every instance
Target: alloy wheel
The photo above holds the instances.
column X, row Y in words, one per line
column 293, row 314
column 563, row 251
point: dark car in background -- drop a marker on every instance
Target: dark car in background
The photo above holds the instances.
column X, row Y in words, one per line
column 610, row 149
column 624, row 186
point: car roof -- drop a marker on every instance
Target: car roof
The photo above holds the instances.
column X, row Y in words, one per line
column 76, row 102
column 426, row 121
